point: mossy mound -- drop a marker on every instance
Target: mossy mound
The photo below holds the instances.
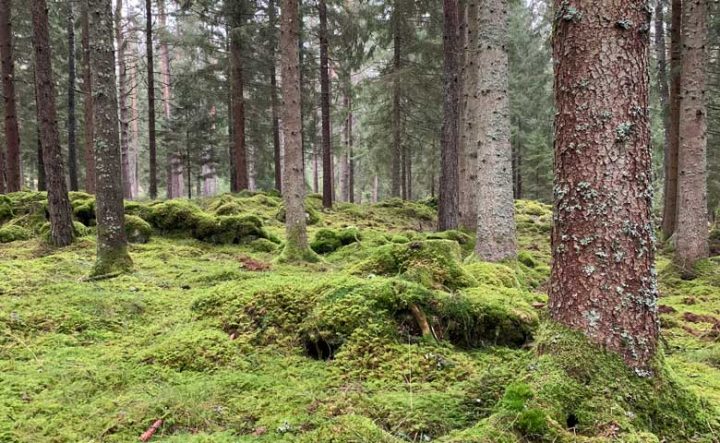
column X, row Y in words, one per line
column 175, row 216
column 311, row 215
column 83, row 206
column 329, row 240
column 533, row 217
column 231, row 229
column 79, row 230
column 137, row 230
column 574, row 391
column 408, row 208
column 10, row 233
column 349, row 429
column 432, row 263
column 464, row 239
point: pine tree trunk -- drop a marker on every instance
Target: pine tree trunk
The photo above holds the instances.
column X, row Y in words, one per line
column 603, row 282
column 351, row 161
column 448, row 202
column 272, row 20
column 691, row 230
column 395, row 166
column 238, row 107
column 375, row 189
column 315, row 153
column 41, row 182
column 152, row 139
column 61, row 227
column 467, row 160
column 12, row 133
column 328, row 190
column 123, row 96
column 345, row 157
column 134, row 133
column 71, row 122
column 662, row 78
column 296, row 244
column 88, row 123
column 496, row 223
column 175, row 177
column 112, row 255
column 671, row 162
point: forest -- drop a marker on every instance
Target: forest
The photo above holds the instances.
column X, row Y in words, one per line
column 360, row 221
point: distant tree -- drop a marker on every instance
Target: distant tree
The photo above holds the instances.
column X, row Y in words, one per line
column 88, row 122
column 275, row 112
column 448, row 198
column 123, row 102
column 496, row 223
column 662, row 77
column 670, row 196
column 174, row 161
column 397, row 184
column 327, row 154
column 61, row 227
column 296, row 245
column 237, row 96
column 467, row 155
column 603, row 282
column 112, row 255
column 691, row 229
column 71, row 122
column 152, row 139
column 12, row 134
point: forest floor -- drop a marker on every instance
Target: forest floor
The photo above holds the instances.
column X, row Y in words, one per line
column 396, row 335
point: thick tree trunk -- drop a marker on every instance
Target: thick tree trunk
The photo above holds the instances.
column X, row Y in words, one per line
column 603, row 282
column 496, row 223
column 12, row 133
column 88, row 123
column 238, row 107
column 691, row 229
column 662, row 78
column 61, row 227
column 112, row 255
column 448, row 202
column 175, row 177
column 296, row 244
column 468, row 151
column 71, row 122
column 152, row 139
column 671, row 162
column 124, row 111
column 272, row 21
column 328, row 191
column 395, row 164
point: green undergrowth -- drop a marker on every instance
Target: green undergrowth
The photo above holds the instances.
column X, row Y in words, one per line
column 397, row 335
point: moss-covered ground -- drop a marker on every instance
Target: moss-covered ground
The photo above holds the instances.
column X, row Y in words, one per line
column 397, row 335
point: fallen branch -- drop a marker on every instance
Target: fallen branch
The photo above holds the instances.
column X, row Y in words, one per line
column 421, row 320
column 147, row 435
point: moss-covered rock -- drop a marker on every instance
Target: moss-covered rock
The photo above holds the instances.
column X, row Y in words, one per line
column 84, row 210
column 137, row 230
column 6, row 208
column 311, row 215
column 79, row 230
column 230, row 208
column 328, row 240
column 408, row 208
column 432, row 263
column 263, row 245
column 231, row 229
column 10, row 233
column 175, row 216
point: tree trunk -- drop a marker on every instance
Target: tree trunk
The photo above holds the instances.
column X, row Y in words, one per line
column 603, row 282
column 345, row 156
column 448, row 202
column 496, row 223
column 208, row 171
column 296, row 244
column 124, row 111
column 175, row 177
column 88, row 123
column 112, row 255
column 325, row 107
column 395, row 178
column 315, row 153
column 467, row 156
column 61, row 227
column 152, row 142
column 132, row 158
column 71, row 122
column 691, row 230
column 41, row 182
column 238, row 106
column 671, row 162
column 272, row 21
column 12, row 133
column 375, row 189
column 662, row 79
column 351, row 161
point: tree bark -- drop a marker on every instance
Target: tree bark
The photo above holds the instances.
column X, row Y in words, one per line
column 670, row 196
column 61, row 227
column 88, row 123
column 175, row 177
column 112, row 255
column 448, row 202
column 238, row 106
column 132, row 158
column 662, row 80
column 123, row 96
column 351, row 161
column 496, row 223
column 71, row 122
column 395, row 178
column 345, row 157
column 325, row 108
column 152, row 141
column 603, row 280
column 691, row 229
column 296, row 244
column 272, row 23
column 12, row 133
column 467, row 155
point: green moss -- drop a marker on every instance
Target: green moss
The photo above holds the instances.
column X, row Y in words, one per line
column 328, row 240
column 408, row 208
column 231, row 208
column 432, row 263
column 6, row 208
column 348, row 429
column 262, row 245
column 311, row 215
column 232, row 229
column 175, row 216
column 137, row 229
column 11, row 233
column 493, row 274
